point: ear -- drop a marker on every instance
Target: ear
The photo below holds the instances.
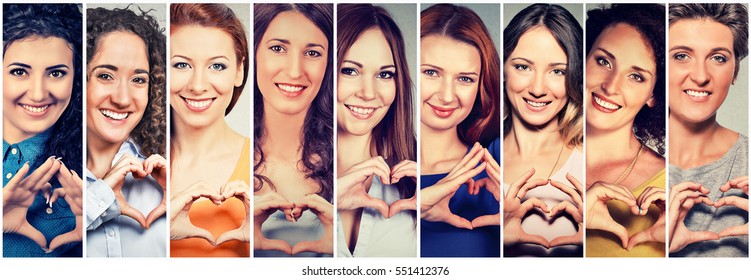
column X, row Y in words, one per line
column 652, row 101
column 240, row 73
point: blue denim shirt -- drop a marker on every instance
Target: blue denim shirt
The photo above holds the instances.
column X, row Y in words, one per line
column 50, row 221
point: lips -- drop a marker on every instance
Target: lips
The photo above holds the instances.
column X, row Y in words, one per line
column 35, row 110
column 361, row 112
column 291, row 90
column 442, row 112
column 198, row 105
column 603, row 104
column 117, row 116
column 698, row 95
column 537, row 106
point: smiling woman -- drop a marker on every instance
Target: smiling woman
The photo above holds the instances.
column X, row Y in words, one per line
column 41, row 127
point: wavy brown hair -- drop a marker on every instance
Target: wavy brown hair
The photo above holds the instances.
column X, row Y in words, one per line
column 483, row 123
column 393, row 137
column 151, row 130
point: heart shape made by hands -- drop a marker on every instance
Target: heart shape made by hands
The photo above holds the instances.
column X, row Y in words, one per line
column 267, row 204
column 154, row 166
column 352, row 186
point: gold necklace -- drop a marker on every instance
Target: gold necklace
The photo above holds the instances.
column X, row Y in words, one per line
column 557, row 159
column 630, row 167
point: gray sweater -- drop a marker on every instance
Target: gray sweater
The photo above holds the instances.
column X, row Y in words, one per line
column 705, row 218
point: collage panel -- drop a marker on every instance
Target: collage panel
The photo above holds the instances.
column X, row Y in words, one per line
column 126, row 130
column 625, row 130
column 708, row 101
column 42, row 92
column 376, row 144
column 293, row 161
column 460, row 130
column 210, row 129
column 543, row 131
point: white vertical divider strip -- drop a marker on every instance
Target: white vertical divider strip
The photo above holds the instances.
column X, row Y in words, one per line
column 502, row 18
column 334, row 51
column 1, row 129
column 251, row 80
column 168, row 149
column 84, row 82
column 667, row 126
column 418, row 152
column 584, row 123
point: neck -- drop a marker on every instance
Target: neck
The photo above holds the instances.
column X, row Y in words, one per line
column 99, row 154
column 13, row 135
column 607, row 146
column 198, row 141
column 529, row 140
column 352, row 149
column 283, row 134
column 687, row 138
column 438, row 140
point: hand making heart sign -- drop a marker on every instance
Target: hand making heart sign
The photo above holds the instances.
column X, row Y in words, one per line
column 271, row 202
column 685, row 195
column 156, row 166
column 19, row 193
column 434, row 200
column 352, row 186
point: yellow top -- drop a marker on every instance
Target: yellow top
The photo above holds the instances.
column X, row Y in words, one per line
column 605, row 244
column 217, row 220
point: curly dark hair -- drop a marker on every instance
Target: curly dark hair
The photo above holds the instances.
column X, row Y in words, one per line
column 394, row 137
column 150, row 131
column 62, row 21
column 649, row 21
column 318, row 131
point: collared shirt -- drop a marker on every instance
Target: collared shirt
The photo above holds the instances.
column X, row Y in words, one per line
column 50, row 221
column 111, row 235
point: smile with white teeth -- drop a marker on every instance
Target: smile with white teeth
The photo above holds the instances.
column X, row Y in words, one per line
column 361, row 110
column 536, row 104
column 35, row 109
column 695, row 93
column 290, row 88
column 114, row 115
column 605, row 104
column 199, row 104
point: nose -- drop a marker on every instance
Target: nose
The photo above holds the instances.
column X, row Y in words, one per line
column 446, row 93
column 198, row 83
column 537, row 88
column 121, row 96
column 699, row 73
column 611, row 84
column 367, row 90
column 294, row 70
column 37, row 90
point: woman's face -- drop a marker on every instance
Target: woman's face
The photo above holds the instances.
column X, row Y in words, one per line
column 702, row 65
column 367, row 84
column 37, row 85
column 621, row 74
column 203, row 75
column 449, row 81
column 291, row 63
column 117, row 86
column 535, row 75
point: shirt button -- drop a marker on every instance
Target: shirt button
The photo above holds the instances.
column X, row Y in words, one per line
column 49, row 210
column 13, row 151
column 101, row 203
column 8, row 175
column 111, row 233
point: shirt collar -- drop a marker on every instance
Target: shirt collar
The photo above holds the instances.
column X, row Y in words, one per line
column 30, row 148
column 127, row 148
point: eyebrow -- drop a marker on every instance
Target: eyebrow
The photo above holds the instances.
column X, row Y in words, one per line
column 533, row 63
column 687, row 48
column 114, row 68
column 19, row 65
column 56, row 67
column 637, row 68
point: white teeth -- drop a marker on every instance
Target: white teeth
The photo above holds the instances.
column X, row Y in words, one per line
column 536, row 104
column 361, row 111
column 113, row 115
column 606, row 104
column 289, row 88
column 694, row 93
column 35, row 109
column 199, row 104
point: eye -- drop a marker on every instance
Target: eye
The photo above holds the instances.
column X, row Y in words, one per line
column 57, row 73
column 278, row 49
column 181, row 65
column 139, row 80
column 348, row 71
column 719, row 59
column 312, row 53
column 386, row 75
column 430, row 73
column 467, row 80
column 681, row 56
column 636, row 77
column 18, row 72
column 104, row 76
column 558, row 72
column 603, row 62
column 217, row 66
column 522, row 67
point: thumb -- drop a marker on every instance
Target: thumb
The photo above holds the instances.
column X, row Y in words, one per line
column 32, row 233
column 619, row 231
column 202, row 233
column 459, row 222
column 639, row 238
column 235, row 234
column 486, row 220
column 379, row 205
column 305, row 246
column 401, row 205
column 63, row 239
column 156, row 214
column 275, row 244
column 129, row 211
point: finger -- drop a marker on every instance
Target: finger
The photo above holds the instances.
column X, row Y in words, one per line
column 275, row 244
column 470, row 174
column 235, row 234
column 734, row 201
column 674, row 190
column 571, row 192
column 567, row 240
column 534, row 202
column 458, row 221
column 197, row 232
column 32, row 233
column 69, row 237
column 20, row 175
column 577, row 185
column 534, row 239
column 516, row 185
column 401, row 205
column 378, row 205
column 44, row 179
column 129, row 211
column 471, row 186
column 384, row 169
column 407, row 170
column 486, row 220
column 469, row 161
column 657, row 195
column 57, row 193
column 741, row 230
column 639, row 238
column 567, row 207
column 155, row 214
column 33, row 179
column 493, row 166
column 531, row 185
column 308, row 246
column 699, row 236
column 619, row 231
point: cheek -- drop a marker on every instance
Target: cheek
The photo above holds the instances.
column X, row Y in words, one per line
column 12, row 89
column 345, row 87
column 178, row 80
column 467, row 95
column 428, row 87
column 557, row 86
column 223, row 82
column 387, row 91
column 516, row 83
column 141, row 98
column 315, row 71
column 594, row 77
column 678, row 72
column 61, row 89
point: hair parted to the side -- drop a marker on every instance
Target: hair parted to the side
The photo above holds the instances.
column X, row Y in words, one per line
column 394, row 137
column 317, row 134
column 462, row 24
column 649, row 21
column 569, row 35
column 216, row 16
column 150, row 132
column 64, row 21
